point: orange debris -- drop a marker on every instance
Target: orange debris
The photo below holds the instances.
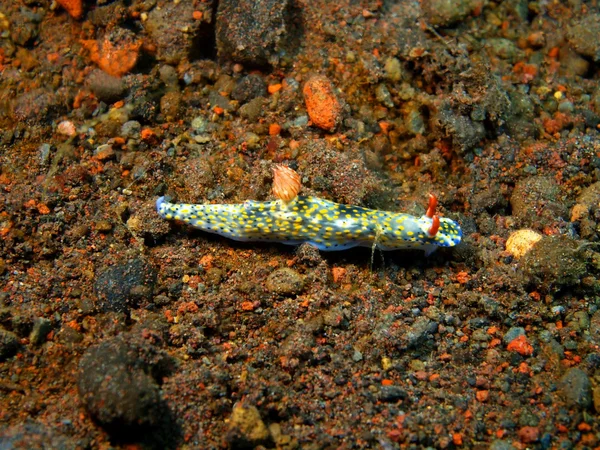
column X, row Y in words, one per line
column 274, row 129
column 115, row 60
column 207, row 261
column 73, row 7
column 247, row 306
column 338, row 274
column 520, row 345
column 584, row 427
column 197, row 15
column 385, row 127
column 554, row 52
column 457, row 439
column 322, row 105
column 462, row 277
column 482, row 396
column 148, row 135
column 274, row 88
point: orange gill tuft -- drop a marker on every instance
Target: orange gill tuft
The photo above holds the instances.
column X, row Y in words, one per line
column 286, row 183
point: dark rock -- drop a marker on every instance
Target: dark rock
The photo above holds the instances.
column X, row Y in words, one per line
column 512, row 334
column 553, row 263
column 419, row 331
column 535, row 202
column 253, row 109
column 35, row 436
column 102, row 16
column 584, row 34
column 172, row 28
column 37, row 105
column 8, row 344
column 479, row 322
column 309, row 255
column 170, row 105
column 252, row 32
column 107, row 88
column 392, row 394
column 248, row 88
column 24, row 27
column 196, row 175
column 68, row 335
column 118, row 383
column 576, row 388
column 114, row 286
column 501, row 445
column 335, row 317
column 285, row 281
column 447, row 12
column 465, row 133
column 595, row 327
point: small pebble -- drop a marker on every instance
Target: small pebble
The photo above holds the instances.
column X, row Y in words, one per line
column 393, row 69
column 392, row 393
column 248, row 88
column 512, row 334
column 103, row 226
column 8, row 344
column 104, row 86
column 246, row 428
column 576, row 388
column 131, row 129
column 383, row 95
column 529, row 435
column 45, row 150
column 67, row 128
column 583, row 36
column 285, row 281
column 555, row 262
column 104, row 152
column 41, row 327
column 114, row 285
column 447, row 12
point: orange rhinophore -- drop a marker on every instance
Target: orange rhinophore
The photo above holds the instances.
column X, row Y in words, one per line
column 431, row 207
column 435, row 226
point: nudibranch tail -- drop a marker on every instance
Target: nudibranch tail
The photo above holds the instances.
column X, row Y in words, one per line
column 293, row 219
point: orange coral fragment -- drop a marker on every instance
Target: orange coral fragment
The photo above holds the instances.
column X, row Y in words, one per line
column 322, row 105
column 520, row 345
column 115, row 60
column 338, row 274
column 73, row 7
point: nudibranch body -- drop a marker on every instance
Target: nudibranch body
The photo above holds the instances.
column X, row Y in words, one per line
column 326, row 225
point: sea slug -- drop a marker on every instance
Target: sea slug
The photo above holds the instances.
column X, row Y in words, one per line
column 294, row 219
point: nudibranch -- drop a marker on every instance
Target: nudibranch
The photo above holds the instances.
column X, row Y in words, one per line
column 293, row 219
